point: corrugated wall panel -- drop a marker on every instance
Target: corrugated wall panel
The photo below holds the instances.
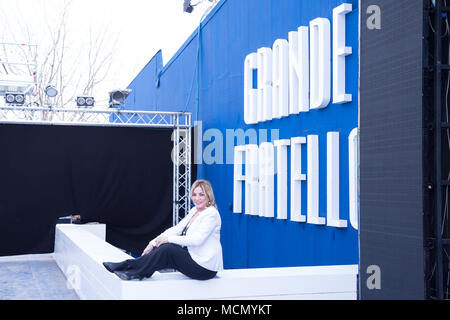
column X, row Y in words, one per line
column 233, row 30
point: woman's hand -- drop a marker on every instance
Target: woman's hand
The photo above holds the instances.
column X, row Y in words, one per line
column 147, row 249
column 161, row 240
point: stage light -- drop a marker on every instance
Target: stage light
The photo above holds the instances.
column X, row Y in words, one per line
column 51, row 91
column 117, row 97
column 83, row 101
column 89, row 101
column 20, row 98
column 15, row 98
column 9, row 98
column 187, row 6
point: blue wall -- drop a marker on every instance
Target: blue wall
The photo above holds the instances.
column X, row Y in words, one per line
column 234, row 29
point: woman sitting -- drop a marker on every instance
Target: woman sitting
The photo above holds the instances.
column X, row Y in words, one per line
column 191, row 247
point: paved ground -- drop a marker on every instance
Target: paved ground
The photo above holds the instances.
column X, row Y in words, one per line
column 33, row 277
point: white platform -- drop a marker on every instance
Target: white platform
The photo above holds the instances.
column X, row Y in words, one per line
column 81, row 249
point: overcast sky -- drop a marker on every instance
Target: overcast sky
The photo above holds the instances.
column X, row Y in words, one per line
column 142, row 27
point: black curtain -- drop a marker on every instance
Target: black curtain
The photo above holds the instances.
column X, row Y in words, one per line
column 114, row 175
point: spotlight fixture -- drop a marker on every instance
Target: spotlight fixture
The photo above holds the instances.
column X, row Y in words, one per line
column 117, row 97
column 87, row 102
column 15, row 98
column 187, row 6
column 51, row 91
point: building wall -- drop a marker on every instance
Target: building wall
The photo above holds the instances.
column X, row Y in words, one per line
column 206, row 78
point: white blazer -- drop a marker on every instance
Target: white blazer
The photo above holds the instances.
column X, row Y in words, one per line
column 202, row 238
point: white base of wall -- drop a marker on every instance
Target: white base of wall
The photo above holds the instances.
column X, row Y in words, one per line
column 81, row 249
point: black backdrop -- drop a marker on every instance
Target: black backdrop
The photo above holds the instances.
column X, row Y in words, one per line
column 114, row 175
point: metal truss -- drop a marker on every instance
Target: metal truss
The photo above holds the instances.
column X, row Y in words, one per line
column 179, row 121
column 19, row 68
column 182, row 171
column 437, row 26
column 95, row 117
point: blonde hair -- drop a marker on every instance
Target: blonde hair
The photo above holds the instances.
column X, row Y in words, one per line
column 207, row 189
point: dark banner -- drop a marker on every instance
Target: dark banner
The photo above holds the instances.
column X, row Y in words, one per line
column 114, row 175
column 391, row 192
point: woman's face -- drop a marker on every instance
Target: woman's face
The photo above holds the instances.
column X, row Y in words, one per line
column 199, row 198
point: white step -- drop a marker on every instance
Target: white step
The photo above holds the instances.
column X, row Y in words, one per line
column 80, row 253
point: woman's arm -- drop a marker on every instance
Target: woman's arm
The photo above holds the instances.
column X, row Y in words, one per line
column 175, row 230
column 202, row 231
column 162, row 238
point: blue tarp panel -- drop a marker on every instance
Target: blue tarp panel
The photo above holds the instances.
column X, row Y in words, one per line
column 206, row 78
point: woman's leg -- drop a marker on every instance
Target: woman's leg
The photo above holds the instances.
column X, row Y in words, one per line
column 169, row 256
column 184, row 263
column 117, row 266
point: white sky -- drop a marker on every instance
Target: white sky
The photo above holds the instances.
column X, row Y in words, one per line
column 143, row 27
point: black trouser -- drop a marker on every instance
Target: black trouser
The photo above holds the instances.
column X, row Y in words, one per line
column 168, row 255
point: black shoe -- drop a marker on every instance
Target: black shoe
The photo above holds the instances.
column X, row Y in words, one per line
column 126, row 276
column 110, row 266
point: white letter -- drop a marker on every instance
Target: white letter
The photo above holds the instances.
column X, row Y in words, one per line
column 238, row 137
column 251, row 179
column 320, row 62
column 333, row 181
column 280, row 78
column 264, row 84
column 250, row 93
column 313, row 181
column 353, row 177
column 266, row 183
column 281, row 146
column 239, row 178
column 340, row 51
column 296, row 179
column 298, row 71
